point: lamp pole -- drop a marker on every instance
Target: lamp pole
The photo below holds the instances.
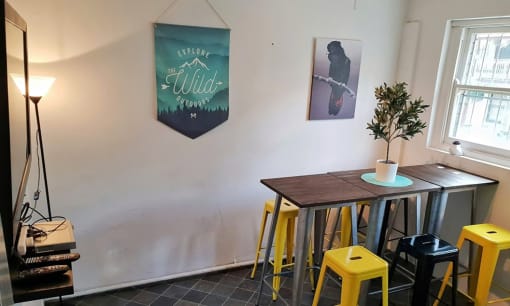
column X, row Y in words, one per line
column 36, row 100
column 39, row 86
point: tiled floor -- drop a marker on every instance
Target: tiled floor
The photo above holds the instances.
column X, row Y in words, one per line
column 231, row 287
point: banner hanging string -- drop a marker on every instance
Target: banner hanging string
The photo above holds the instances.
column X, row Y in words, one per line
column 172, row 4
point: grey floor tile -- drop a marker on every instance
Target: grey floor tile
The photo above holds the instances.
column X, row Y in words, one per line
column 185, row 303
column 204, row 286
column 249, row 284
column 157, row 288
column 145, row 297
column 223, row 290
column 187, row 283
column 127, row 293
column 176, row 292
column 232, row 302
column 194, row 296
column 231, row 280
column 242, row 295
column 164, row 301
column 103, row 299
column 214, row 300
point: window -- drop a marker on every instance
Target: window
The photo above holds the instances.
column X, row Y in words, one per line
column 472, row 100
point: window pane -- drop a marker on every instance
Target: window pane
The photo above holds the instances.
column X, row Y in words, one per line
column 482, row 118
column 488, row 60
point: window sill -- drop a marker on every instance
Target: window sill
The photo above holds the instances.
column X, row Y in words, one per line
column 501, row 165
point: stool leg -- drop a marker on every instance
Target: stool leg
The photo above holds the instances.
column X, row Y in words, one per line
column 488, row 264
column 318, row 289
column 259, row 242
column 310, row 265
column 350, row 292
column 406, row 219
column 421, row 285
column 384, row 287
column 345, row 233
column 444, row 283
column 291, row 227
column 455, row 263
column 281, row 229
column 460, row 242
column 394, row 262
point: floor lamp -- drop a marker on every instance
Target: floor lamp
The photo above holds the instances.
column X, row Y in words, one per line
column 38, row 87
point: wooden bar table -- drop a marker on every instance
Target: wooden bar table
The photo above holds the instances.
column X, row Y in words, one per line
column 450, row 180
column 383, row 194
column 310, row 193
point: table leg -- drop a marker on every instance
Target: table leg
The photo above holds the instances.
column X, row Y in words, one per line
column 384, row 227
column 375, row 221
column 419, row 229
column 354, row 223
column 474, row 251
column 320, row 223
column 305, row 220
column 270, row 237
column 434, row 214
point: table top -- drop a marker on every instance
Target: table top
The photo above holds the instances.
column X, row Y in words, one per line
column 445, row 176
column 317, row 190
column 354, row 177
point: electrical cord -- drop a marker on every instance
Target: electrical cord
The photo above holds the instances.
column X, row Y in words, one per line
column 54, row 229
column 33, row 230
column 37, row 192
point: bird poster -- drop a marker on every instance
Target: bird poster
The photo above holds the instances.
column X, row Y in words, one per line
column 335, row 78
column 192, row 77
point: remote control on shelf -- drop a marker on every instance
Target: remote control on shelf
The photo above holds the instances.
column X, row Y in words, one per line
column 52, row 259
column 39, row 272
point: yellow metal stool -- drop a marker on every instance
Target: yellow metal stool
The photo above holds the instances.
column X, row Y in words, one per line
column 283, row 238
column 491, row 239
column 353, row 264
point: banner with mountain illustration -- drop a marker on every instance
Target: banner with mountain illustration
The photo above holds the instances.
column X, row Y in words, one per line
column 192, row 65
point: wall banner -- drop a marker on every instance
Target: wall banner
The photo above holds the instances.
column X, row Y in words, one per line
column 192, row 71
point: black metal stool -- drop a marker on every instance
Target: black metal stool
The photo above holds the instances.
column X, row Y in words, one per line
column 428, row 250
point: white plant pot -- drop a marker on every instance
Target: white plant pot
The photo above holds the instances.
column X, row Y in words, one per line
column 386, row 172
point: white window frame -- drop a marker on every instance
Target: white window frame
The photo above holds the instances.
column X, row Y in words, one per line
column 453, row 56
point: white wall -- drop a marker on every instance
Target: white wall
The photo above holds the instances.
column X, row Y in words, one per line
column 432, row 16
column 149, row 203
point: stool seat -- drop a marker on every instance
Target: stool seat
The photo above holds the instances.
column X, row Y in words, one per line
column 487, row 234
column 353, row 264
column 425, row 246
column 283, row 241
column 491, row 239
column 428, row 250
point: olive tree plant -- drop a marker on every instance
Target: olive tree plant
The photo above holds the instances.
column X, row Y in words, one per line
column 396, row 115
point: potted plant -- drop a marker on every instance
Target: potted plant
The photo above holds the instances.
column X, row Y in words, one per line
column 396, row 116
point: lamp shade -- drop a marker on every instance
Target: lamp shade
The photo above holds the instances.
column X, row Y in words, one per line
column 38, row 85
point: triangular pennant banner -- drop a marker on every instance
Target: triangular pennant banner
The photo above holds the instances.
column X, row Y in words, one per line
column 192, row 77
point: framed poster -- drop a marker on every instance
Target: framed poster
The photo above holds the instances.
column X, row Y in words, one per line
column 192, row 77
column 335, row 78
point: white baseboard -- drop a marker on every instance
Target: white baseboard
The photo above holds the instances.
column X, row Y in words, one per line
column 158, row 279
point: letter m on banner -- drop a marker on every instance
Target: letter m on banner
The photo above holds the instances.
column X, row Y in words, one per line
column 192, row 77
